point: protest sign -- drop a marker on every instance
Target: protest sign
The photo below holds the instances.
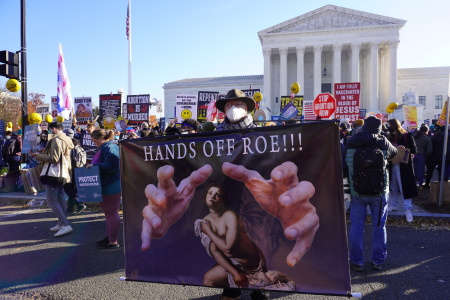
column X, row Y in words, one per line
column 87, row 144
column 347, row 101
column 180, row 253
column 138, row 107
column 186, row 107
column 30, row 138
column 297, row 102
column 204, row 99
column 83, row 109
column 88, row 184
column 110, row 106
column 2, row 127
column 410, row 113
column 289, row 111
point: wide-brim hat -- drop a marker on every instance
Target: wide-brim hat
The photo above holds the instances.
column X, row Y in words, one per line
column 235, row 94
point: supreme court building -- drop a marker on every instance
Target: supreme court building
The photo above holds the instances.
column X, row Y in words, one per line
column 331, row 45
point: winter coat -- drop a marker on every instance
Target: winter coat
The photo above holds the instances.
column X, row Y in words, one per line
column 424, row 145
column 360, row 139
column 408, row 179
column 109, row 167
column 59, row 144
column 437, row 141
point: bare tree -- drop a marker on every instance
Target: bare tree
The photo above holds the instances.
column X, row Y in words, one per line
column 10, row 106
column 34, row 99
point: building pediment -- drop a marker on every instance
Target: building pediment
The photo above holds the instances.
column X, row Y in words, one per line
column 331, row 17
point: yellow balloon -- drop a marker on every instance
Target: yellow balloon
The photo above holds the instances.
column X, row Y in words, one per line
column 13, row 85
column 48, row 118
column 59, row 119
column 389, row 111
column 393, row 105
column 257, row 97
column 9, row 124
column 295, row 87
column 34, row 118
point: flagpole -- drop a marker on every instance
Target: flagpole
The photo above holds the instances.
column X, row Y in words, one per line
column 130, row 89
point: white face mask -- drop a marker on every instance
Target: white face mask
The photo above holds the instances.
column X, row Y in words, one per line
column 236, row 113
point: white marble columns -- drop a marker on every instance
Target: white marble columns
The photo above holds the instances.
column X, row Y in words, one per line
column 378, row 75
column 301, row 68
column 373, row 94
column 267, row 52
column 317, row 72
column 354, row 77
column 283, row 71
column 337, row 52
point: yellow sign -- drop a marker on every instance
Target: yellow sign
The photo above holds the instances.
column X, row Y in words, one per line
column 410, row 113
column 13, row 85
column 295, row 87
column 257, row 96
column 186, row 114
column 34, row 118
column 441, row 121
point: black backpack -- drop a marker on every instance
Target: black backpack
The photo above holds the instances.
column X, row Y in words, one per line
column 8, row 147
column 369, row 166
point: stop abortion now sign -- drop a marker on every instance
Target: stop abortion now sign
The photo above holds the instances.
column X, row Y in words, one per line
column 324, row 105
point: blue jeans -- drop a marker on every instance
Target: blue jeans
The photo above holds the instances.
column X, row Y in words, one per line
column 396, row 189
column 358, row 209
column 57, row 202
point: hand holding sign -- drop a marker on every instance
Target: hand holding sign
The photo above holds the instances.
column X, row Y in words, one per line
column 284, row 197
column 167, row 202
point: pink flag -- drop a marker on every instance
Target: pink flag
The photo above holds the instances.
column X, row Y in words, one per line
column 64, row 96
column 128, row 22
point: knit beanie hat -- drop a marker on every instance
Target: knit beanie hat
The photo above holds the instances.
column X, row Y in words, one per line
column 372, row 125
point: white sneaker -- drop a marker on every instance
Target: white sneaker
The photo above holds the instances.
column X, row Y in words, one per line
column 64, row 230
column 56, row 228
column 392, row 208
column 409, row 216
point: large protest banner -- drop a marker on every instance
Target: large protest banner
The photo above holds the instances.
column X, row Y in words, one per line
column 205, row 98
column 138, row 107
column 347, row 101
column 83, row 109
column 110, row 106
column 184, row 255
column 297, row 101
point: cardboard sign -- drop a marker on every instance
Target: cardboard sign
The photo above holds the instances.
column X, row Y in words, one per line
column 402, row 156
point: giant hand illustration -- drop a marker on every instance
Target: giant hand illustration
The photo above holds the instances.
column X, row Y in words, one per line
column 167, row 202
column 284, row 197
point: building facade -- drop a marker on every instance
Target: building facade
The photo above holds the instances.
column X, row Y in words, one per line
column 329, row 45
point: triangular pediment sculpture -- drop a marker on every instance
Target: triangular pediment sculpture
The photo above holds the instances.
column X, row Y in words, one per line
column 332, row 17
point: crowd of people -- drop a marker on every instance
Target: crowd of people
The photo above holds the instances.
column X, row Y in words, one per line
column 401, row 180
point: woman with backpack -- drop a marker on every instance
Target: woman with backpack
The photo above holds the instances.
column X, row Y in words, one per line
column 402, row 179
column 107, row 158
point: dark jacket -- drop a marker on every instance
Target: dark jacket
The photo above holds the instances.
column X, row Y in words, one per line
column 437, row 142
column 359, row 140
column 109, row 168
column 409, row 186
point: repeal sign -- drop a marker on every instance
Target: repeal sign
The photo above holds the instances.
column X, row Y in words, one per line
column 324, row 105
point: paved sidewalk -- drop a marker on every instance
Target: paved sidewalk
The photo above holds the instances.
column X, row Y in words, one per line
column 418, row 212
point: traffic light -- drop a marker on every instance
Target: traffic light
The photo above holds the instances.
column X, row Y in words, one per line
column 10, row 66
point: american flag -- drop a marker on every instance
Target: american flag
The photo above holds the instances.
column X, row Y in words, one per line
column 128, row 22
column 308, row 111
column 64, row 96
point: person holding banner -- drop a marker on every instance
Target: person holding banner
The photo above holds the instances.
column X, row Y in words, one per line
column 236, row 107
column 281, row 195
column 107, row 159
